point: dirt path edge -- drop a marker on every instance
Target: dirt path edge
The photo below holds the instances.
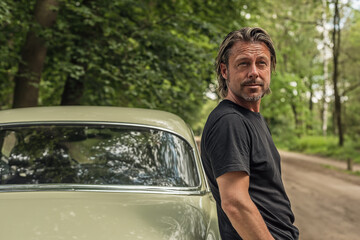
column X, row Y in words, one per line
column 321, row 164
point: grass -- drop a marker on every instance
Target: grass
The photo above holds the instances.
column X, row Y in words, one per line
column 324, row 146
column 356, row 173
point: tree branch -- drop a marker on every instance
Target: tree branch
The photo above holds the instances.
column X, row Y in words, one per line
column 350, row 89
column 317, row 23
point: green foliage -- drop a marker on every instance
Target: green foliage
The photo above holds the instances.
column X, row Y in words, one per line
column 160, row 54
column 150, row 54
column 292, row 26
column 209, row 105
column 14, row 23
column 315, row 144
column 328, row 147
column 349, row 76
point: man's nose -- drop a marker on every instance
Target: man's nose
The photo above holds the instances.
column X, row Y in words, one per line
column 253, row 71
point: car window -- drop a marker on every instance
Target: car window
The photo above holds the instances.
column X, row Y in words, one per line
column 95, row 154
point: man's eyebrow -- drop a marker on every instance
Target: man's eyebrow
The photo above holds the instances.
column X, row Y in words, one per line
column 244, row 57
column 263, row 56
column 241, row 58
column 264, row 59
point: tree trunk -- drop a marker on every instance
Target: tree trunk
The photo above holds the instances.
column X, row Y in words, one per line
column 325, row 105
column 311, row 103
column 33, row 55
column 336, row 52
column 309, row 126
column 73, row 92
column 297, row 119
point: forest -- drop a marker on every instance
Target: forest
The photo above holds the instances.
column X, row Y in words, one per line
column 160, row 54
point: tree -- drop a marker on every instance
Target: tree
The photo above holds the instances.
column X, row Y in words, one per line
column 336, row 52
column 33, row 56
column 292, row 26
column 151, row 54
column 325, row 48
column 12, row 24
column 350, row 73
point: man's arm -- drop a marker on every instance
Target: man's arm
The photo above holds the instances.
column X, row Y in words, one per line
column 239, row 208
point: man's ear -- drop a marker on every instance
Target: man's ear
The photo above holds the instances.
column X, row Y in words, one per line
column 223, row 70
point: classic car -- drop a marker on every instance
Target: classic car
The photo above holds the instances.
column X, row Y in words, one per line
column 86, row 172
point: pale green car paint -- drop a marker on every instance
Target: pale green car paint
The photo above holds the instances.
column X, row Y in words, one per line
column 145, row 117
column 105, row 215
column 124, row 213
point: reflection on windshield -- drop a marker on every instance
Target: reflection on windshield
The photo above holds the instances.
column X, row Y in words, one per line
column 95, row 154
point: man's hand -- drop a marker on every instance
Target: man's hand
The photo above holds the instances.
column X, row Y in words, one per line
column 239, row 208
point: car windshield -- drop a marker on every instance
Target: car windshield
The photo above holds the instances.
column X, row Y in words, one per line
column 95, row 154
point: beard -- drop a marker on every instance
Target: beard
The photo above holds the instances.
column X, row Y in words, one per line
column 253, row 97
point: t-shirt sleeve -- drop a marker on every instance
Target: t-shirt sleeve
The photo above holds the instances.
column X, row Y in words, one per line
column 228, row 145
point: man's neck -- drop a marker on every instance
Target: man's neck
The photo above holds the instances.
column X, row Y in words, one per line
column 250, row 105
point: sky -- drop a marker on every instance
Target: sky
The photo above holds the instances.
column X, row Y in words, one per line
column 356, row 4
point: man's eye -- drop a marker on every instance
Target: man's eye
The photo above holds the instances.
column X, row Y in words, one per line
column 242, row 64
column 263, row 63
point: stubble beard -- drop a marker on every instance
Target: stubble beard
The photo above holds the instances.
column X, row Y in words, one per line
column 255, row 97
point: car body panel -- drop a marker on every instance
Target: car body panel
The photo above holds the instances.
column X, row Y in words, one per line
column 103, row 215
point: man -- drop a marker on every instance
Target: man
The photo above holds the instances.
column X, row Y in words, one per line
column 238, row 153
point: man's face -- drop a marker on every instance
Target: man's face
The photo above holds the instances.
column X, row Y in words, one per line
column 249, row 71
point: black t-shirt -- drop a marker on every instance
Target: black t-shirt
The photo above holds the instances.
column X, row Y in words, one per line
column 237, row 139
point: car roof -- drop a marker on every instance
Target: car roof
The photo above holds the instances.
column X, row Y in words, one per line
column 137, row 116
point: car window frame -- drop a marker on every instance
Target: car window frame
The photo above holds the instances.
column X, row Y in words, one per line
column 195, row 190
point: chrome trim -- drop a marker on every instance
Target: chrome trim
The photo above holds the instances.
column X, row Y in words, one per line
column 202, row 181
column 20, row 124
column 201, row 167
column 197, row 160
column 101, row 188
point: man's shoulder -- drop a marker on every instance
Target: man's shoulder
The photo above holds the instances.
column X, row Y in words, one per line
column 225, row 110
column 225, row 116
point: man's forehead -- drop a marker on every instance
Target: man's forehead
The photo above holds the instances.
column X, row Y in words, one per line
column 250, row 48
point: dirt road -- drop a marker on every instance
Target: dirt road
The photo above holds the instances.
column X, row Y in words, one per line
column 326, row 203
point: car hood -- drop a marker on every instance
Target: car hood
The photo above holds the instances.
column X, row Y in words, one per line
column 102, row 215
